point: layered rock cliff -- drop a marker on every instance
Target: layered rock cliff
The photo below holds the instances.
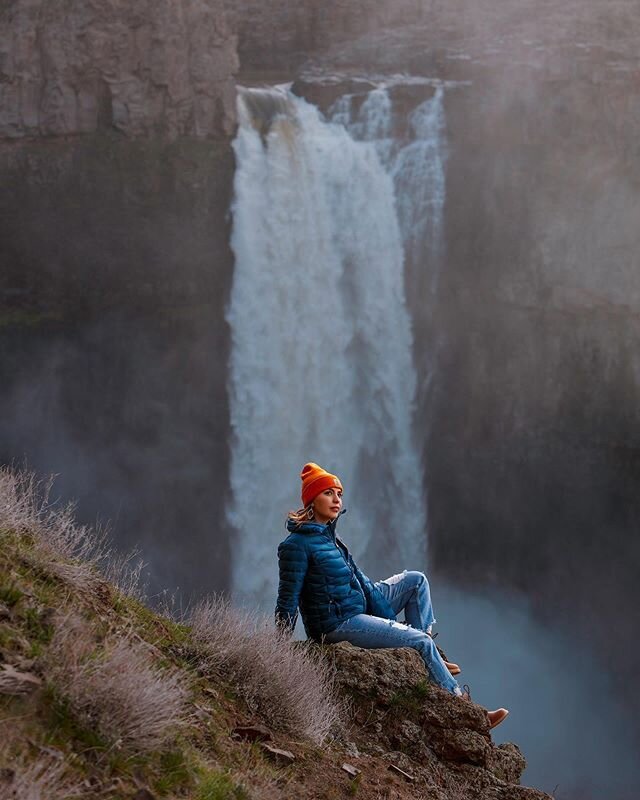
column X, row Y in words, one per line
column 278, row 35
column 140, row 68
column 115, row 127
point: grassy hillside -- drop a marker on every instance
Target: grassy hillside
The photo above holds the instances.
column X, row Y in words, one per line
column 100, row 697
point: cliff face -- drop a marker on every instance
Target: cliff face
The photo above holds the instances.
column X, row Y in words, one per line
column 140, row 68
column 115, row 126
column 114, row 118
column 280, row 35
column 442, row 744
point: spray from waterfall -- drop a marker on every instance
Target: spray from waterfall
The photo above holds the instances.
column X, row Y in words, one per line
column 321, row 357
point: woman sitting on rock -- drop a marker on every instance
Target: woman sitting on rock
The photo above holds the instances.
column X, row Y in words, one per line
column 339, row 603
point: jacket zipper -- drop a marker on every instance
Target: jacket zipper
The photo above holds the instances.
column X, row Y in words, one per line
column 344, row 558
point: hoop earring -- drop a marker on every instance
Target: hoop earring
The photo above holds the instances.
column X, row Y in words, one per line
column 310, row 512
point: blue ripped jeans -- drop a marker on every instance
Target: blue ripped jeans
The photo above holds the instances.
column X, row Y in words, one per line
column 408, row 592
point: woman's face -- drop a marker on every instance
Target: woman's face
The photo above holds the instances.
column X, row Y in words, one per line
column 327, row 505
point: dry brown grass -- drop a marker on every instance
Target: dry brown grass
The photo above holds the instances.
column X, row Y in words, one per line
column 76, row 554
column 124, row 571
column 39, row 780
column 289, row 684
column 115, row 687
column 42, row 777
column 26, row 508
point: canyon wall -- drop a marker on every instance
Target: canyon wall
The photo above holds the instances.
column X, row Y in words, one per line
column 280, row 36
column 140, row 68
column 115, row 126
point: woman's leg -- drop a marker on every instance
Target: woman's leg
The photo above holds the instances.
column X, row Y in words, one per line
column 363, row 630
column 409, row 591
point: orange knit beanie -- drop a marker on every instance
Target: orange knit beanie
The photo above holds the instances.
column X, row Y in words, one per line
column 316, row 480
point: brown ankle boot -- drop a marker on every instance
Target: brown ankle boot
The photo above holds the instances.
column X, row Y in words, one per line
column 497, row 716
column 454, row 669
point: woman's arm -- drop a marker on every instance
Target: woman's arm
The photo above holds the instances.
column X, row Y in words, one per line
column 292, row 561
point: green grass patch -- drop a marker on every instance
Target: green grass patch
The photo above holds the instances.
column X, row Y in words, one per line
column 162, row 631
column 13, row 640
column 412, row 698
column 10, row 595
column 174, row 772
column 219, row 785
column 36, row 626
column 63, row 726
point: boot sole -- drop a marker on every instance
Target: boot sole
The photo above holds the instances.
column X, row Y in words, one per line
column 500, row 718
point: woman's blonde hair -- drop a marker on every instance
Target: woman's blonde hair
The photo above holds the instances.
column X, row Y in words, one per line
column 301, row 515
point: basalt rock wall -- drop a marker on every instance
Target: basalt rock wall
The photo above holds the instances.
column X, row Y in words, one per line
column 115, row 126
column 279, row 35
column 140, row 68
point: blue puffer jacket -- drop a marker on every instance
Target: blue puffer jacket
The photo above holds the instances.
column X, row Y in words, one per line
column 318, row 574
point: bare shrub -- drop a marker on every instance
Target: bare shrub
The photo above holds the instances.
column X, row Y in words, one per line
column 289, row 684
column 39, row 779
column 18, row 507
column 116, row 688
column 63, row 548
column 26, row 508
column 124, row 571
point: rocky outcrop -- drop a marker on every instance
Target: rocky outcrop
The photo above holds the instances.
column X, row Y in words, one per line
column 441, row 742
column 142, row 68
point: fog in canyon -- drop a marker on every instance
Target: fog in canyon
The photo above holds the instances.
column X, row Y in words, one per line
column 400, row 239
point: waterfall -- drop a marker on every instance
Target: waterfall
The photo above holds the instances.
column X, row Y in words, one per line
column 414, row 152
column 321, row 346
column 412, row 147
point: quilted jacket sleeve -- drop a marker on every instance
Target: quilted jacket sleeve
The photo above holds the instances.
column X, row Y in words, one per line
column 292, row 562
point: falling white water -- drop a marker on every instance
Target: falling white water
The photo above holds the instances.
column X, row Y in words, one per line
column 419, row 175
column 416, row 159
column 321, row 366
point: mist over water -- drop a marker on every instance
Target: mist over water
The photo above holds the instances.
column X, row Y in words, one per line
column 321, row 360
column 567, row 715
